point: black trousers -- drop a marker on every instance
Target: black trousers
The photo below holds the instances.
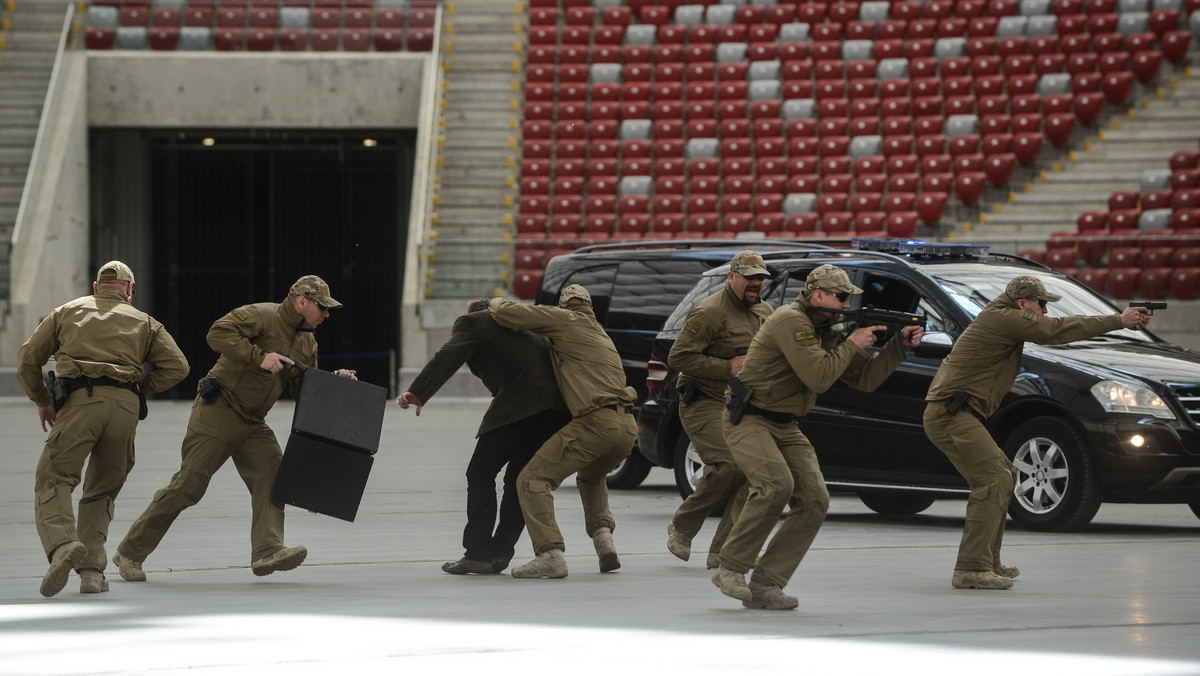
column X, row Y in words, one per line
column 514, row 444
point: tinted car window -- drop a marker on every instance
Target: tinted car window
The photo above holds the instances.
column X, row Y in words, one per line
column 598, row 281
column 647, row 291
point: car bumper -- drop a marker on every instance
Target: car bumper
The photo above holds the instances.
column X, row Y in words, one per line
column 1163, row 468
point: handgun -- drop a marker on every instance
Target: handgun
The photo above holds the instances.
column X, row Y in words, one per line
column 1150, row 305
column 738, row 400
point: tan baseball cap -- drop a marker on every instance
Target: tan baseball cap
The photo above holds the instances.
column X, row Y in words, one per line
column 574, row 291
column 114, row 271
column 315, row 289
column 1030, row 287
column 748, row 263
column 830, row 277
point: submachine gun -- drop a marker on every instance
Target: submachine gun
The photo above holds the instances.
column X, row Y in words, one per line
column 873, row 316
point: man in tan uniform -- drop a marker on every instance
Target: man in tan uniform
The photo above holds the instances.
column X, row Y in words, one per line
column 709, row 350
column 228, row 421
column 969, row 387
column 99, row 344
column 796, row 355
column 525, row 411
column 600, row 435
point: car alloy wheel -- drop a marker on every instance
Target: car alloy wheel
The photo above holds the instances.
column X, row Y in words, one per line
column 1056, row 488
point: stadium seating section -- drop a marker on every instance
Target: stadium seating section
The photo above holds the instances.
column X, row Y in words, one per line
column 262, row 25
column 671, row 118
column 1145, row 244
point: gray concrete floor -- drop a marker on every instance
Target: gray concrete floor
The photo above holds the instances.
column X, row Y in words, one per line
column 875, row 595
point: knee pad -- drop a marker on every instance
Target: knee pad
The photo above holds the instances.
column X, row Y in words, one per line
column 780, row 487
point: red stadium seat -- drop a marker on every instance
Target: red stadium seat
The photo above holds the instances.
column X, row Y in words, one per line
column 968, row 187
column 1124, row 199
column 1094, row 278
column 902, row 224
column 1185, row 283
column 1154, row 283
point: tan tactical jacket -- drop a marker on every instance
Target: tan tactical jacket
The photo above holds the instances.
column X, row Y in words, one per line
column 586, row 364
column 243, row 337
column 987, row 356
column 790, row 362
column 712, row 334
column 100, row 336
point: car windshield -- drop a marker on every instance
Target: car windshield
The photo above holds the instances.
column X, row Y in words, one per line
column 974, row 286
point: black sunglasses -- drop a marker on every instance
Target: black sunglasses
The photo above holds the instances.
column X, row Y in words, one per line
column 1039, row 301
column 842, row 296
column 756, row 278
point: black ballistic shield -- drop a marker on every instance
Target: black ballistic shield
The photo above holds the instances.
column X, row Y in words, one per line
column 321, row 477
column 339, row 410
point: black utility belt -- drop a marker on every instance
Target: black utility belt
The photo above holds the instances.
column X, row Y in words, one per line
column 773, row 416
column 83, row 382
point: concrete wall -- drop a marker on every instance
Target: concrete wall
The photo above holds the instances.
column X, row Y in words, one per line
column 341, row 90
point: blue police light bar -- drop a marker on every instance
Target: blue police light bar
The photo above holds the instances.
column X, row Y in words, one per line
column 915, row 247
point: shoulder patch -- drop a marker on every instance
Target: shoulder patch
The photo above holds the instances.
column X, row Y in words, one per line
column 1029, row 315
column 692, row 327
column 804, row 336
column 240, row 314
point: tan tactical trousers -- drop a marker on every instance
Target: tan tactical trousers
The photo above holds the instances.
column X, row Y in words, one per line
column 781, row 470
column 722, row 479
column 989, row 474
column 101, row 426
column 590, row 446
column 215, row 434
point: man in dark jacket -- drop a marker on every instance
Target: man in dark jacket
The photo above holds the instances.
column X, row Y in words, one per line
column 526, row 409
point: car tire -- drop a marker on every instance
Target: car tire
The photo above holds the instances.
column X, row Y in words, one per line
column 688, row 466
column 1056, row 485
column 630, row 473
column 895, row 504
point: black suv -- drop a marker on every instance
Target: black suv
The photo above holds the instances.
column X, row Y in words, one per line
column 634, row 287
column 1115, row 418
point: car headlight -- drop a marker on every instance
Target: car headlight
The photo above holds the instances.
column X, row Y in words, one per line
column 1118, row 396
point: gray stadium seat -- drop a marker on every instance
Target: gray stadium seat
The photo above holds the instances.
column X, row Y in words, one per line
column 1130, row 23
column 294, row 17
column 1155, row 219
column 193, row 38
column 1194, row 24
column 1054, row 83
column 1167, row 4
column 1042, row 24
column 764, row 90
column 170, row 4
column 1156, row 179
column 634, row 130
column 794, row 109
column 874, row 10
column 794, row 32
column 102, row 16
column 1124, row 6
column 1011, row 26
column 1033, row 7
column 959, row 125
column 890, row 69
column 641, row 34
column 800, row 203
column 700, row 147
column 605, row 72
column 605, row 4
column 731, row 51
column 131, row 37
column 865, row 146
column 634, row 185
column 689, row 15
column 764, row 70
column 946, row 48
column 719, row 15
column 858, row 50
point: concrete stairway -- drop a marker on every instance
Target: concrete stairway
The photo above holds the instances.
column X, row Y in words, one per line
column 25, row 67
column 1158, row 121
column 471, row 255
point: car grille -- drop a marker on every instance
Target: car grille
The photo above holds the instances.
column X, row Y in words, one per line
column 1189, row 396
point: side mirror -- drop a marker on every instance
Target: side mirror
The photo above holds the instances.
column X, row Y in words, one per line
column 934, row 345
